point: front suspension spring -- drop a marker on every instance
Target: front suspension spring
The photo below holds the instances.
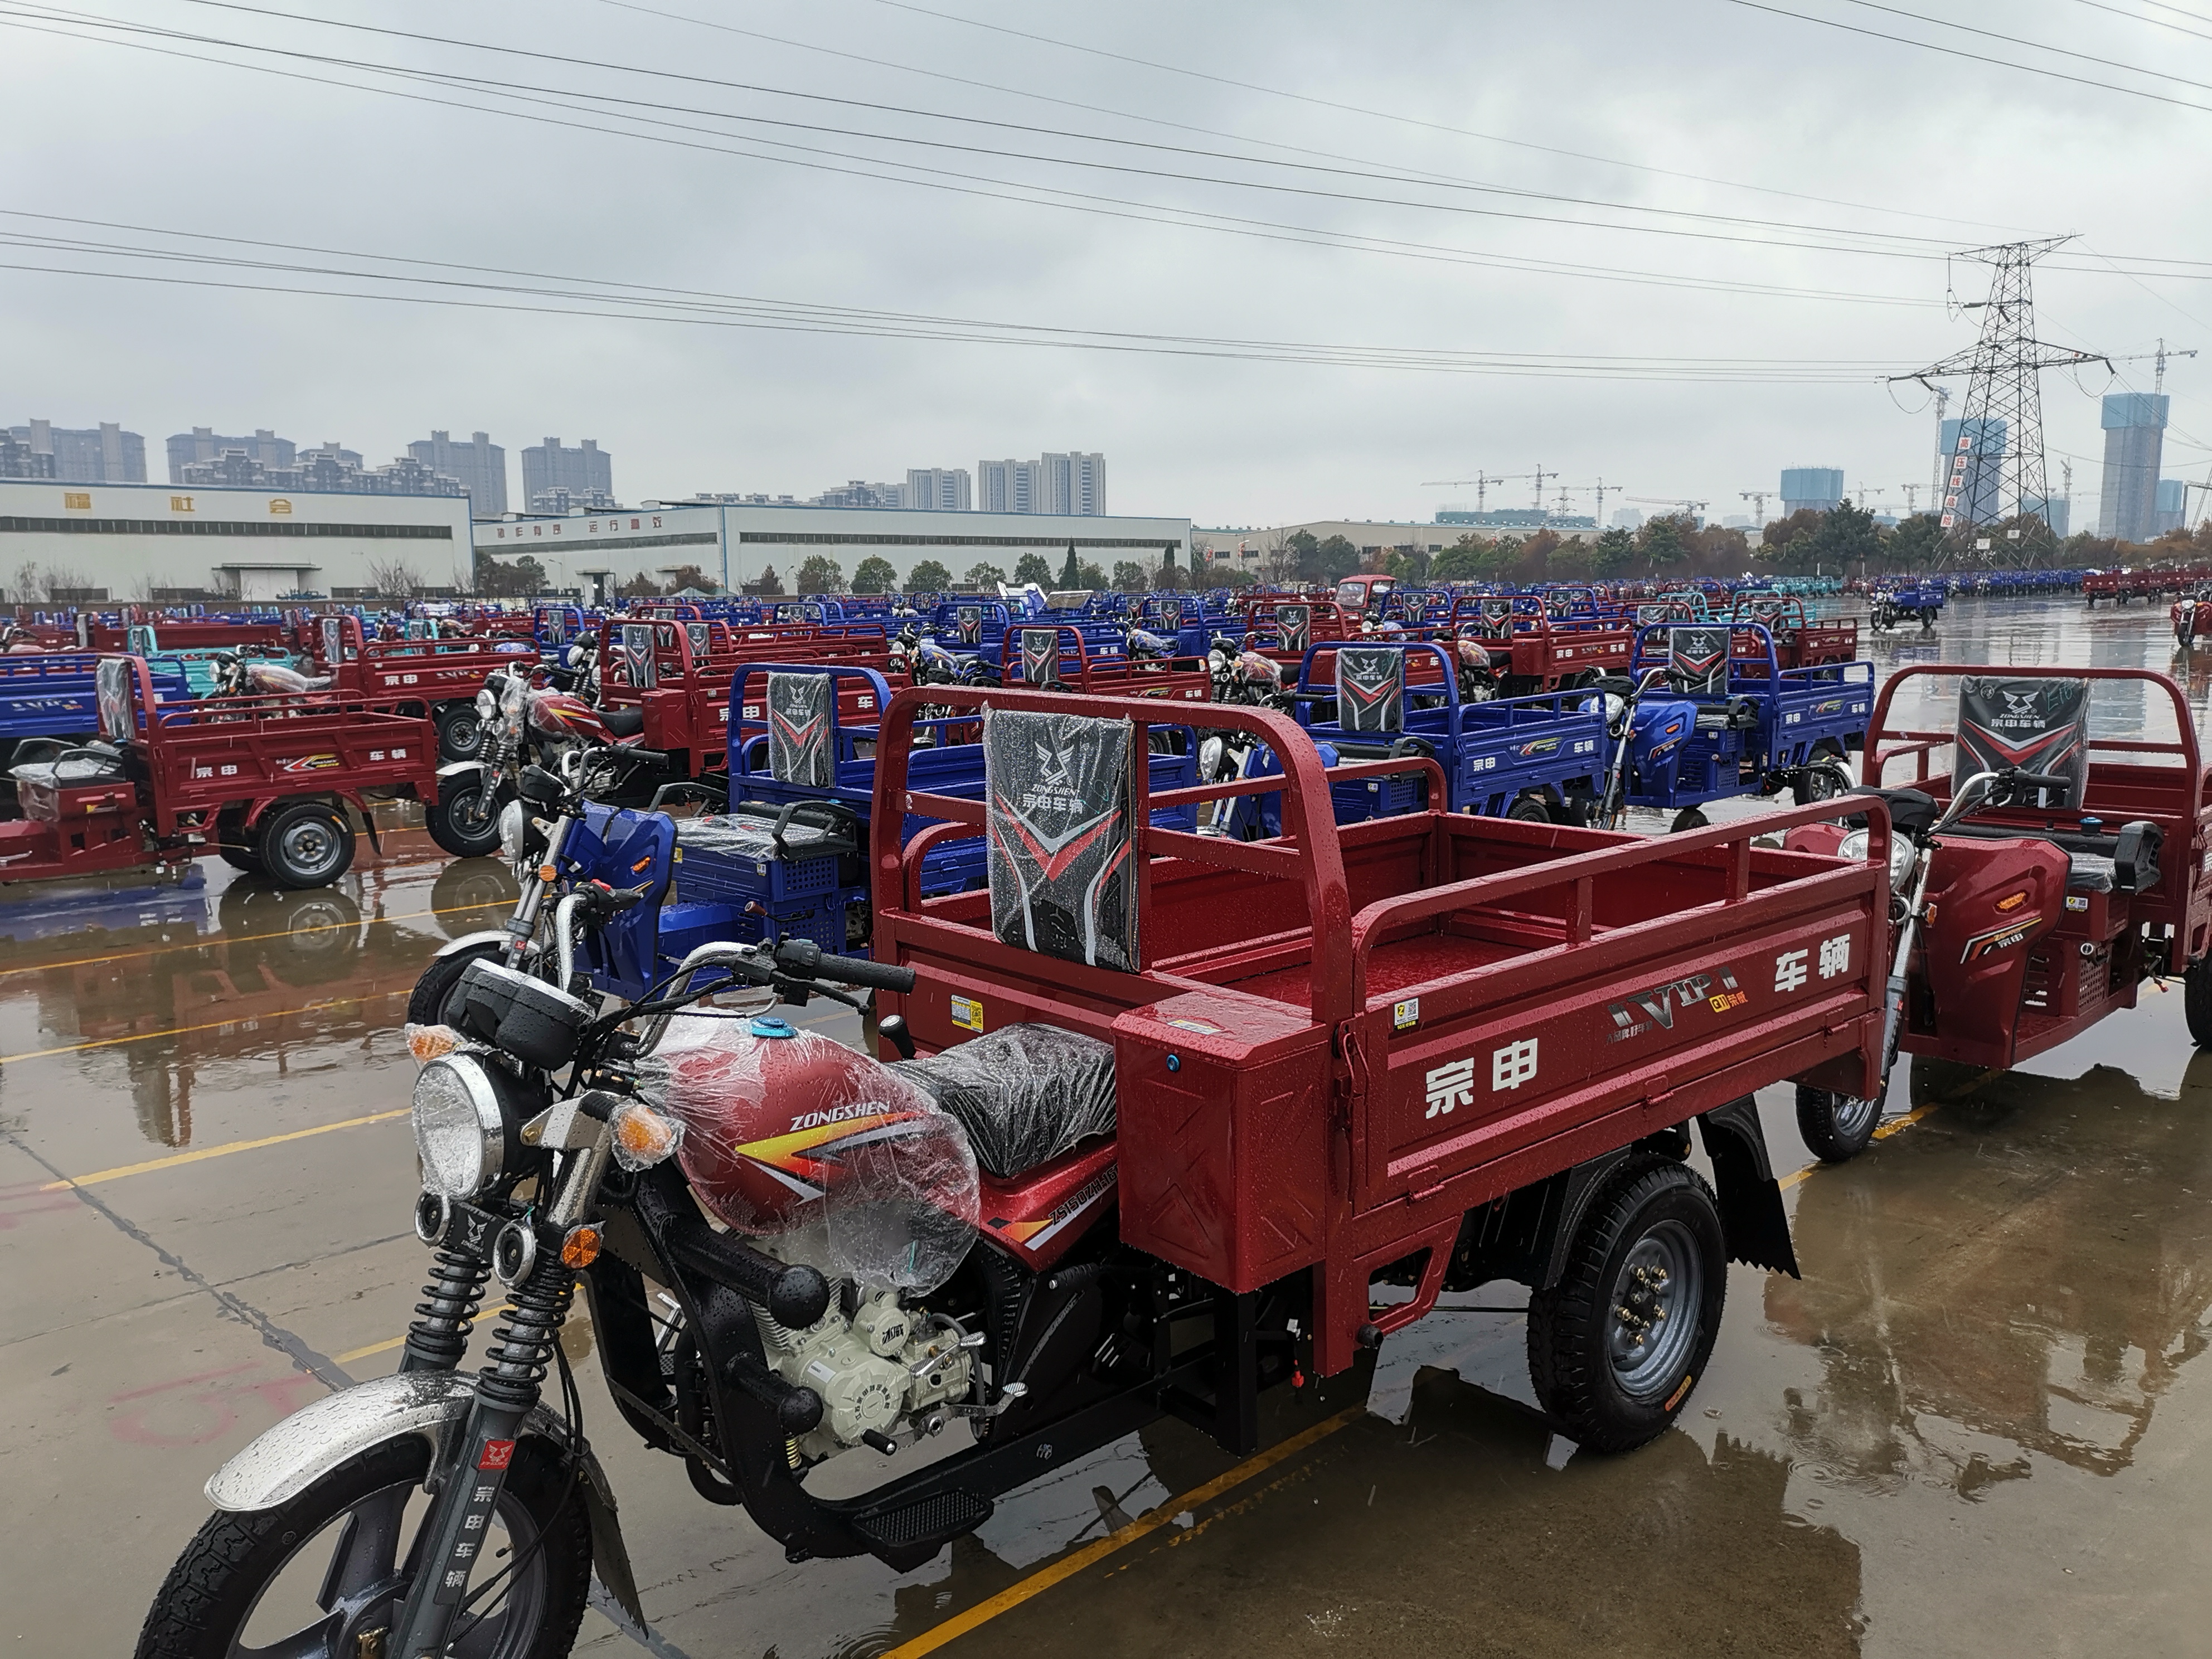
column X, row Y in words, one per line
column 522, row 1348
column 439, row 1337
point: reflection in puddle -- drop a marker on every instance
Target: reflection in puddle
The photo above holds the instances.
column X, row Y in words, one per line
column 2029, row 1278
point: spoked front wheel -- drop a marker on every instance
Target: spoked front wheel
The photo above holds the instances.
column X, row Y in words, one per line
column 317, row 1577
column 1836, row 1127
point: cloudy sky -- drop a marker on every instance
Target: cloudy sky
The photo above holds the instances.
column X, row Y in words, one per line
column 1336, row 251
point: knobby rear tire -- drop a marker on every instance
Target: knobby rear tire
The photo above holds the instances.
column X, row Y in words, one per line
column 1572, row 1324
column 204, row 1605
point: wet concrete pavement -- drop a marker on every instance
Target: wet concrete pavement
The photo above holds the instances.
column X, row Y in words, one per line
column 1979, row 1423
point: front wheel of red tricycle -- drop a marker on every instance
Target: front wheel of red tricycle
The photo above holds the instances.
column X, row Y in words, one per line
column 1836, row 1128
column 1615, row 1346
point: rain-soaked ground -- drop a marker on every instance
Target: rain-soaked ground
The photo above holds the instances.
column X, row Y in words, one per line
column 1979, row 1425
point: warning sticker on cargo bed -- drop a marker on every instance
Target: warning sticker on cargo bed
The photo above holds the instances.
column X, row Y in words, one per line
column 1405, row 1016
column 1203, row 1027
column 968, row 1013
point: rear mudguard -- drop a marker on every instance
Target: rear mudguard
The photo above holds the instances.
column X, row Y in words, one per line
column 280, row 1463
column 470, row 942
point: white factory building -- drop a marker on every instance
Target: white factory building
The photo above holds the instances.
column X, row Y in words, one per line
column 166, row 543
column 732, row 542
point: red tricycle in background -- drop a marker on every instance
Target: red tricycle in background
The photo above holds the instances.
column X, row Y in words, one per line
column 2033, row 890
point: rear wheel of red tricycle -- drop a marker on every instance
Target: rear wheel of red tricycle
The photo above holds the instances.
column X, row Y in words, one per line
column 306, row 844
column 1615, row 1346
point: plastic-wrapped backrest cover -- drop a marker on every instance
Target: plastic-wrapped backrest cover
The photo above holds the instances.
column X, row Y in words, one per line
column 969, row 620
column 700, row 634
column 801, row 732
column 1698, row 660
column 333, row 640
column 1171, row 614
column 111, row 684
column 1294, row 626
column 1025, row 1093
column 849, row 1166
column 2035, row 725
column 1040, row 660
column 1059, row 809
column 1370, row 687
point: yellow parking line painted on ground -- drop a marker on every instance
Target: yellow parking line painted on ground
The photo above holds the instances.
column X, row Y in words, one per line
column 205, row 1026
column 200, row 1153
column 389, row 1343
column 250, row 939
column 1037, row 1582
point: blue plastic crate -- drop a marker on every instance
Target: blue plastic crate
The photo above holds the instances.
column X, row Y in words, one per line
column 712, row 877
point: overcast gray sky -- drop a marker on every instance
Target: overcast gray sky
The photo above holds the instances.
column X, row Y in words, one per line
column 1760, row 206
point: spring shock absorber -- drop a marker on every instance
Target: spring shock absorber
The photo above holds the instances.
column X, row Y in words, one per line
column 438, row 1337
column 522, row 1348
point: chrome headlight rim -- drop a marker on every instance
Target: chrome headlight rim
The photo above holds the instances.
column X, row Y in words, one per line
column 487, row 703
column 474, row 1125
column 513, row 831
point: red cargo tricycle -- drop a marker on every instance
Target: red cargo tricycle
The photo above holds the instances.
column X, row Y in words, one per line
column 271, row 784
column 2036, row 888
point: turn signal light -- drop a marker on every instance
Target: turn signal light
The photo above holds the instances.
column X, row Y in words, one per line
column 429, row 1042
column 580, row 1248
column 643, row 1137
column 546, row 873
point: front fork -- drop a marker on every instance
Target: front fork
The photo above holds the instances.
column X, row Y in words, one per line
column 522, row 927
column 1892, row 1024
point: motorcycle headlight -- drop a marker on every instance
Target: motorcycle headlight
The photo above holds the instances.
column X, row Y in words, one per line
column 487, row 704
column 1209, row 758
column 460, row 1133
column 1901, row 855
column 514, row 826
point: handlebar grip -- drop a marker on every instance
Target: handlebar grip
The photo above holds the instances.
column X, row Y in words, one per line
column 810, row 961
column 631, row 753
column 2038, row 780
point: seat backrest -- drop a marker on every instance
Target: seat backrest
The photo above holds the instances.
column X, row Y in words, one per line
column 2039, row 725
column 1698, row 661
column 802, row 735
column 968, row 623
column 1294, row 626
column 634, row 657
column 1371, row 688
column 1059, row 808
column 1039, row 664
column 112, row 690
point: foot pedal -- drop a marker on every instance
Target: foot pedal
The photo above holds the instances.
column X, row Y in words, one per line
column 930, row 1521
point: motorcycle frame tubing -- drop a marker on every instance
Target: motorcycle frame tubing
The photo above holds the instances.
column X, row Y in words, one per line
column 1377, row 1209
column 2187, row 818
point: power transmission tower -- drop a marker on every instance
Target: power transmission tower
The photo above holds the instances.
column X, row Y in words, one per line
column 2003, row 412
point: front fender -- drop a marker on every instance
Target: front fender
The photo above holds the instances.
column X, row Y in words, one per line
column 471, row 941
column 280, row 1463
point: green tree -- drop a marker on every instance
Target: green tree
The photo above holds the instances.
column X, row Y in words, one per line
column 1129, row 576
column 769, row 582
column 985, row 575
column 1913, row 545
column 876, row 574
column 689, row 575
column 1614, row 551
column 821, row 574
column 1846, row 534
column 1032, row 567
column 1408, row 564
column 1335, row 559
column 1070, row 572
column 1661, row 542
column 498, row 579
column 928, row 577
column 639, row 587
column 1461, row 562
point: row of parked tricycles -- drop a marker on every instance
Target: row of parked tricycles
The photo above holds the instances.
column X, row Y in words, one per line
column 1161, row 1120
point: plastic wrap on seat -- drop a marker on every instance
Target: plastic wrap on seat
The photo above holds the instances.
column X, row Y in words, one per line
column 742, row 835
column 1024, row 1093
column 1370, row 687
column 2039, row 726
column 802, row 730
column 2089, row 873
column 1698, row 661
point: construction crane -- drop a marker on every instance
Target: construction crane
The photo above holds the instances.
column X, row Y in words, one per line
column 1912, row 507
column 2159, row 356
column 1758, row 500
column 1679, row 504
column 1482, row 481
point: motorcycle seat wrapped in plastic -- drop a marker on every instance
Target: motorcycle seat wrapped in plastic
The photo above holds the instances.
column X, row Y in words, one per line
column 1024, row 1093
column 750, row 836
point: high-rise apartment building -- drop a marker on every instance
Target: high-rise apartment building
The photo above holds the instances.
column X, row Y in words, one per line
column 1069, row 482
column 938, row 489
column 2135, row 441
column 1819, row 487
column 479, row 464
column 2172, row 507
column 586, row 472
column 329, row 469
column 102, row 454
column 203, row 443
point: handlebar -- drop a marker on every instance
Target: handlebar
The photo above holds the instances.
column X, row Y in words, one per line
column 803, row 959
